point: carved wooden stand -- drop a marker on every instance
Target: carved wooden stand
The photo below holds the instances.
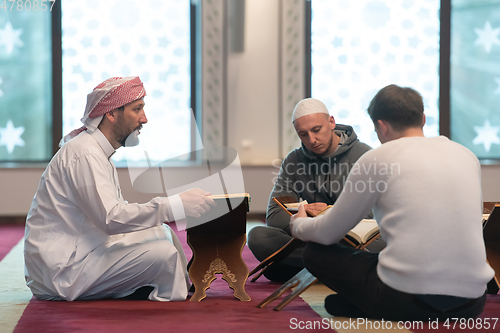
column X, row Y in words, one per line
column 217, row 247
column 491, row 234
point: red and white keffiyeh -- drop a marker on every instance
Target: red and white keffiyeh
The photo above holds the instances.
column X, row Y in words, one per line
column 108, row 95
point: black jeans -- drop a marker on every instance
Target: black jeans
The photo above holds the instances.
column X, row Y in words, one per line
column 264, row 241
column 352, row 274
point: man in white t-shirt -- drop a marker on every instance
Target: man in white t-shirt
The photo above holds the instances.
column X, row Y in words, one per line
column 426, row 197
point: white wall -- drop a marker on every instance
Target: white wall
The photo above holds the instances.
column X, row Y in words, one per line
column 253, row 87
column 490, row 180
column 19, row 186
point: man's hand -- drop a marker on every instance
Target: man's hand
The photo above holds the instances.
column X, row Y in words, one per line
column 316, row 207
column 301, row 213
column 196, row 202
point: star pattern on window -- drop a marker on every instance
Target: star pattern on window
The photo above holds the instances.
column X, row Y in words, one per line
column 9, row 37
column 486, row 135
column 487, row 37
column 10, row 136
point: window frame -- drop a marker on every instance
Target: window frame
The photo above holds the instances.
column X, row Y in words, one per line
column 444, row 67
column 57, row 84
column 56, row 76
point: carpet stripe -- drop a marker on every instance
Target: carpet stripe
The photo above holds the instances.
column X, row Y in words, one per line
column 14, row 295
column 9, row 236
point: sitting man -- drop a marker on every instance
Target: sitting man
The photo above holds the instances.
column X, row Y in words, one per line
column 83, row 240
column 315, row 172
column 426, row 197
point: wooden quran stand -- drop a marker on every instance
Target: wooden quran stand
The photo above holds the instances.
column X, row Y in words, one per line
column 491, row 234
column 217, row 246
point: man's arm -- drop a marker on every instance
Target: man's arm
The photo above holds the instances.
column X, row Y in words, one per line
column 96, row 195
column 276, row 216
column 350, row 208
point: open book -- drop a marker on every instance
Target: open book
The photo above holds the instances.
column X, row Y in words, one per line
column 294, row 208
column 291, row 205
column 364, row 231
column 359, row 236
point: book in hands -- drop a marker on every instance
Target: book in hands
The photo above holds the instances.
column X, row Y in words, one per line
column 291, row 205
column 359, row 236
column 229, row 196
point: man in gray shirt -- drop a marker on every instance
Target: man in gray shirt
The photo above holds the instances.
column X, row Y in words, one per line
column 315, row 172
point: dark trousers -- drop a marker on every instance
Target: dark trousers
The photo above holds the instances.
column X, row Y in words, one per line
column 353, row 275
column 264, row 241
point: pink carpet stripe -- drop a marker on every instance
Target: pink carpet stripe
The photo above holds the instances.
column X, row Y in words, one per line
column 219, row 311
column 9, row 237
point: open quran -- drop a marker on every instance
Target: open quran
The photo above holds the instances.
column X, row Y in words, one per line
column 359, row 236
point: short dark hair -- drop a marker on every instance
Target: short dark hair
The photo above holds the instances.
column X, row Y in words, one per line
column 402, row 107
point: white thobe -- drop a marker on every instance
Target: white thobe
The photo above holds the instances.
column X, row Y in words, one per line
column 84, row 241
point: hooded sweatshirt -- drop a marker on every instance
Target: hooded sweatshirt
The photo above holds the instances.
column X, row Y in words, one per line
column 307, row 176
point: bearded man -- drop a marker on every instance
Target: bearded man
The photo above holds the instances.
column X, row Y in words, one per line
column 315, row 172
column 83, row 240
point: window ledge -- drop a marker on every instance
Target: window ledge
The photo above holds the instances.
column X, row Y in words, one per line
column 23, row 165
column 486, row 162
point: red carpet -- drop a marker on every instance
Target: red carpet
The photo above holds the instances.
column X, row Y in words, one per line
column 9, row 237
column 220, row 311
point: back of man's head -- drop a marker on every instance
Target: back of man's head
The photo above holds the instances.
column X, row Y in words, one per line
column 402, row 107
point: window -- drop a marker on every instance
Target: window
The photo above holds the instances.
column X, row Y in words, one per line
column 25, row 85
column 475, row 76
column 149, row 39
column 358, row 47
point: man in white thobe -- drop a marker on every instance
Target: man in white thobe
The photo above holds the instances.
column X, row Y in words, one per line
column 83, row 240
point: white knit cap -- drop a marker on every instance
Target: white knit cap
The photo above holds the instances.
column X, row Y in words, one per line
column 308, row 106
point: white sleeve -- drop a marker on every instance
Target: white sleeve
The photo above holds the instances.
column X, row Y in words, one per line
column 96, row 194
column 177, row 207
column 356, row 200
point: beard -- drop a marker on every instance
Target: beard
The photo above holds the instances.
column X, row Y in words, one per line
column 329, row 145
column 125, row 136
column 326, row 150
column 132, row 139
